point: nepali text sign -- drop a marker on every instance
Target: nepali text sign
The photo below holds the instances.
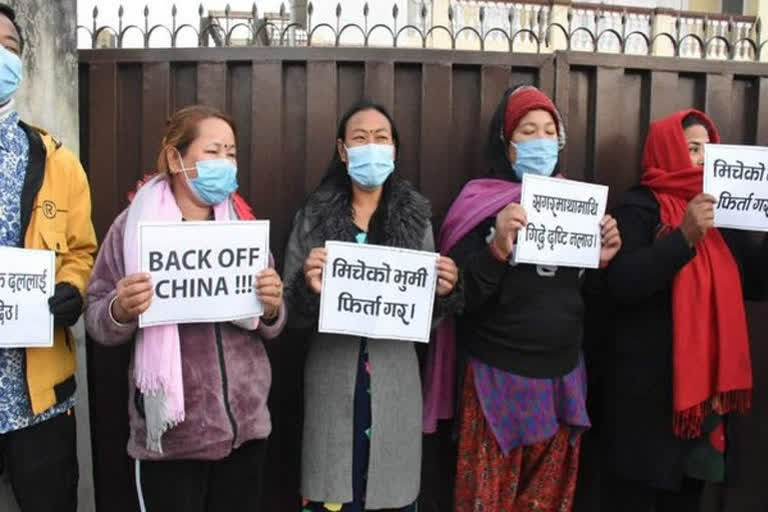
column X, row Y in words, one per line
column 737, row 178
column 378, row 292
column 203, row 271
column 563, row 222
column 27, row 279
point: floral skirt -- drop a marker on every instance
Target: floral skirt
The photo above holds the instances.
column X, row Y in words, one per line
column 540, row 477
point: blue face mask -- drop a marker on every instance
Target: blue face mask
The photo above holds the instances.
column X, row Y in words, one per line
column 10, row 74
column 536, row 156
column 369, row 166
column 216, row 180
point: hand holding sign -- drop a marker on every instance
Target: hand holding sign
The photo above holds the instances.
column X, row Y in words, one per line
column 269, row 288
column 447, row 275
column 134, row 296
column 508, row 222
column 699, row 218
column 66, row 305
column 610, row 239
column 313, row 268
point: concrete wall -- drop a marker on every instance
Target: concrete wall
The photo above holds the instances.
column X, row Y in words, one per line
column 705, row 5
column 757, row 8
column 48, row 98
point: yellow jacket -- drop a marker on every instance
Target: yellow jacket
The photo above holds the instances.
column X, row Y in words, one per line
column 56, row 215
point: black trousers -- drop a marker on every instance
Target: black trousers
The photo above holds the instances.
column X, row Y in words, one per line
column 231, row 484
column 622, row 495
column 41, row 463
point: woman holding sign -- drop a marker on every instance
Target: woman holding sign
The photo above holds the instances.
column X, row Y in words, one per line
column 363, row 403
column 523, row 403
column 197, row 392
column 681, row 359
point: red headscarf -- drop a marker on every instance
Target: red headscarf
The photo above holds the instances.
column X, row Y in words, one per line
column 710, row 352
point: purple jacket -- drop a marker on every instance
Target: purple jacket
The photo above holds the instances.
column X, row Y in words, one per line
column 226, row 371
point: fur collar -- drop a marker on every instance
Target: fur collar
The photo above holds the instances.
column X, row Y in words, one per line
column 408, row 214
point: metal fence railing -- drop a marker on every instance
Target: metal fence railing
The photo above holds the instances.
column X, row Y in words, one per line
column 537, row 26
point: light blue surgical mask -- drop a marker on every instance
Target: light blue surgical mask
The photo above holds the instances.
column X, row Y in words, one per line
column 216, row 180
column 536, row 156
column 370, row 165
column 10, row 74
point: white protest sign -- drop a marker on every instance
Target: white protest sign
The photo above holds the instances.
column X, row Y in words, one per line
column 737, row 178
column 203, row 271
column 563, row 222
column 27, row 280
column 378, row 292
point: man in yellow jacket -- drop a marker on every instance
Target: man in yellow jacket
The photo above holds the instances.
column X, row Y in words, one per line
column 44, row 204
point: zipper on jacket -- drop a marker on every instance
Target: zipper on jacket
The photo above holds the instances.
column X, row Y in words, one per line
column 224, row 385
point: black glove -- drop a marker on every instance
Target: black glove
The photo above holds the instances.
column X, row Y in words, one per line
column 66, row 305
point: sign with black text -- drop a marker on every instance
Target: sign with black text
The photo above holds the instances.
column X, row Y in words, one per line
column 203, row 271
column 563, row 226
column 27, row 280
column 737, row 178
column 378, row 292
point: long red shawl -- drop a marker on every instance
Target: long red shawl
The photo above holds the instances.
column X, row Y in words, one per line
column 710, row 351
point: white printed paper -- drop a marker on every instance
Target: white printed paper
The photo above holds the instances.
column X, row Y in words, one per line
column 378, row 292
column 27, row 280
column 736, row 176
column 203, row 271
column 563, row 222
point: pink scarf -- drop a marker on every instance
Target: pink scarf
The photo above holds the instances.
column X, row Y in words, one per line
column 157, row 356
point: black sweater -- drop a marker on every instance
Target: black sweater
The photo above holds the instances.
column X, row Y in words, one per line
column 524, row 319
column 637, row 420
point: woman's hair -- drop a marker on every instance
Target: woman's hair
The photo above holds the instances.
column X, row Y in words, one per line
column 182, row 129
column 693, row 120
column 337, row 179
column 336, row 172
column 10, row 13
